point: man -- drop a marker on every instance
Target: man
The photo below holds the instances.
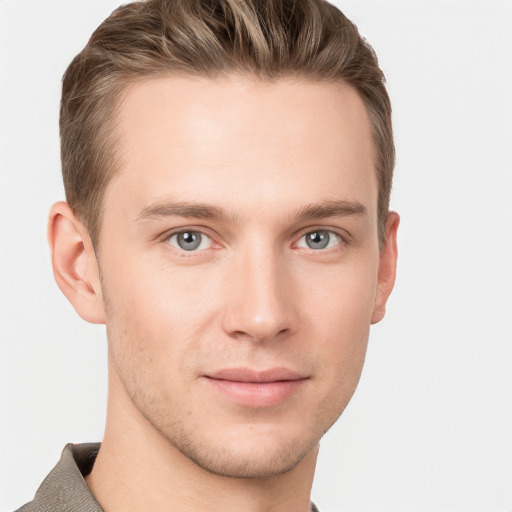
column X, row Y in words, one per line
column 227, row 168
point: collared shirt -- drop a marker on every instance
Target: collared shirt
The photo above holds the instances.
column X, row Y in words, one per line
column 65, row 490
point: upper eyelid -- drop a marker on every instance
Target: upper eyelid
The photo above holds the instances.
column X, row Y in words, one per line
column 342, row 233
column 176, row 231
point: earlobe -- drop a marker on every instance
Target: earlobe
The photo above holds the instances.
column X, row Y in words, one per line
column 387, row 267
column 74, row 263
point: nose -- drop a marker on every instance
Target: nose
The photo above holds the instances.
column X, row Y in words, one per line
column 260, row 305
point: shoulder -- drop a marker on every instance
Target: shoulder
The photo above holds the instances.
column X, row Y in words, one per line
column 64, row 489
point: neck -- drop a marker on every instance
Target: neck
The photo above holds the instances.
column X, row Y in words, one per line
column 138, row 469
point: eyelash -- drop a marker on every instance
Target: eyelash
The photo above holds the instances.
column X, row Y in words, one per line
column 343, row 241
column 182, row 252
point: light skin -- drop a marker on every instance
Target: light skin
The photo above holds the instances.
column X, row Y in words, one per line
column 238, row 248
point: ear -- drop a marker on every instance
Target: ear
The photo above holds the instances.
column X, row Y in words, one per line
column 387, row 268
column 74, row 263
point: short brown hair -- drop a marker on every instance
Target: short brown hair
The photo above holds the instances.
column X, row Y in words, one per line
column 269, row 39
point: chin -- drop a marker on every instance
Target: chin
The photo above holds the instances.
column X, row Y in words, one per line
column 249, row 447
column 244, row 450
column 238, row 461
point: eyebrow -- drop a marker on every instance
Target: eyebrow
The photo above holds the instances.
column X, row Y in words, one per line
column 314, row 211
column 331, row 208
column 182, row 209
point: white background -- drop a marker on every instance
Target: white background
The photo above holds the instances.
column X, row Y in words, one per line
column 430, row 427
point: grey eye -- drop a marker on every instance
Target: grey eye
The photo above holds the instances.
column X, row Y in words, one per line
column 190, row 240
column 320, row 239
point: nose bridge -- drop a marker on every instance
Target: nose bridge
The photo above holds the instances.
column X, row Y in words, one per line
column 260, row 306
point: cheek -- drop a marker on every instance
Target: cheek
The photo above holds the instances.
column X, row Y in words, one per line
column 342, row 313
column 156, row 315
column 343, row 297
column 153, row 294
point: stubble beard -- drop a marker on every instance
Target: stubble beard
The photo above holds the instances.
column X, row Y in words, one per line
column 226, row 460
column 222, row 460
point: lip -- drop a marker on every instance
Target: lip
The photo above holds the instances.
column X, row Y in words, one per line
column 256, row 388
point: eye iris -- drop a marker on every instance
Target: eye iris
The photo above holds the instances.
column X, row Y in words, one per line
column 189, row 240
column 318, row 239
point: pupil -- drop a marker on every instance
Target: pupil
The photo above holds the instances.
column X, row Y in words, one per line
column 189, row 240
column 318, row 240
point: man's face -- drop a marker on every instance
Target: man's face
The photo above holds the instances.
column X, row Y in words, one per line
column 239, row 261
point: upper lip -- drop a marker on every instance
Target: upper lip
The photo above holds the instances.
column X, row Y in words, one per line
column 257, row 376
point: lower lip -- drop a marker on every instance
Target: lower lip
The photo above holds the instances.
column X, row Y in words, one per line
column 257, row 394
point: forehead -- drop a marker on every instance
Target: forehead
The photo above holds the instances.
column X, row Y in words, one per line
column 237, row 137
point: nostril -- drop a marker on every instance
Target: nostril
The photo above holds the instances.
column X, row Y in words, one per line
column 253, row 335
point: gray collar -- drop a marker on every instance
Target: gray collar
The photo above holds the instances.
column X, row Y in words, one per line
column 64, row 489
